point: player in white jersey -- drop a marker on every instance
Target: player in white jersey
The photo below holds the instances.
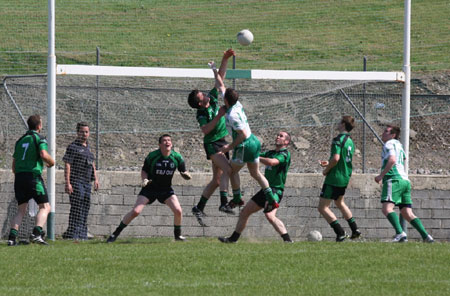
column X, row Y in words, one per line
column 246, row 148
column 396, row 186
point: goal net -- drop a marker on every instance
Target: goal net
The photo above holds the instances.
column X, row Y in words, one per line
column 126, row 115
column 130, row 112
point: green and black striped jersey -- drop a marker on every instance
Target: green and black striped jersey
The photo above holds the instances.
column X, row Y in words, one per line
column 27, row 153
column 160, row 169
column 206, row 115
column 340, row 174
column 276, row 175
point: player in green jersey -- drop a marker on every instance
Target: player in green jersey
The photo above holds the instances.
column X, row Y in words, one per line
column 30, row 154
column 246, row 148
column 215, row 131
column 156, row 174
column 338, row 170
column 396, row 186
column 277, row 165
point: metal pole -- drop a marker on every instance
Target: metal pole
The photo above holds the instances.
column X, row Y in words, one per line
column 51, row 116
column 97, row 123
column 364, row 126
column 234, row 67
column 406, row 94
column 359, row 113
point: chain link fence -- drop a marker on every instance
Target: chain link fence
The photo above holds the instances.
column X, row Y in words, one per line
column 131, row 113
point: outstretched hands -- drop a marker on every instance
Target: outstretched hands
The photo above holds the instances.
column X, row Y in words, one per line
column 212, row 65
column 229, row 53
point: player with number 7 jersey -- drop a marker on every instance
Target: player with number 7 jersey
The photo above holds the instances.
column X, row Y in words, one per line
column 30, row 154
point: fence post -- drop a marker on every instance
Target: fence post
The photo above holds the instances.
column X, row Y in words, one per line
column 234, row 67
column 97, row 123
column 364, row 126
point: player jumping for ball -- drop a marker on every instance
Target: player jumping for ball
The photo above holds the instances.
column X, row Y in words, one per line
column 215, row 131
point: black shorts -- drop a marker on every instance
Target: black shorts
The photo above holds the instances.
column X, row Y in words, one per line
column 332, row 192
column 155, row 193
column 214, row 147
column 260, row 198
column 29, row 186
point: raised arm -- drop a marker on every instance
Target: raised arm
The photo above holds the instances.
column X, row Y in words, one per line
column 220, row 75
column 223, row 65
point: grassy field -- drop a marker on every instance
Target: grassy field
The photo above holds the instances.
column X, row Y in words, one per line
column 207, row 267
column 289, row 34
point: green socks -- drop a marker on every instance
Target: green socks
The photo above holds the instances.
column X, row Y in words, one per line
column 393, row 219
column 237, row 196
column 417, row 224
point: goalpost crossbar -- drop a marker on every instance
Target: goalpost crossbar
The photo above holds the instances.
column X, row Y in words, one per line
column 231, row 73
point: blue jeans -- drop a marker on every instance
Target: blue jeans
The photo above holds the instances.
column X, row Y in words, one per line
column 80, row 202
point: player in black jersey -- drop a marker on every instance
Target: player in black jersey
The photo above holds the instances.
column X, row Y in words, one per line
column 157, row 173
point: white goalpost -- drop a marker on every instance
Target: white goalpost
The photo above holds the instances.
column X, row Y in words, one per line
column 402, row 77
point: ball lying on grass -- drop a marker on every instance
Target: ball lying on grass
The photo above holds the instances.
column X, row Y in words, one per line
column 314, row 236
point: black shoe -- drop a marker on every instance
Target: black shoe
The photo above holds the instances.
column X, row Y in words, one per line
column 199, row 215
column 226, row 209
column 12, row 243
column 38, row 239
column 65, row 235
column 341, row 238
column 180, row 238
column 226, row 240
column 112, row 238
column 231, row 204
column 355, row 234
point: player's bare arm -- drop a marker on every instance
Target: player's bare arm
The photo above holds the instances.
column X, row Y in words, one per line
column 223, row 65
column 269, row 161
column 13, row 166
column 241, row 136
column 390, row 163
column 218, row 79
column 185, row 175
column 331, row 163
column 49, row 161
column 207, row 128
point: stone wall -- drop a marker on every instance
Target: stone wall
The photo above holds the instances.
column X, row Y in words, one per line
column 431, row 197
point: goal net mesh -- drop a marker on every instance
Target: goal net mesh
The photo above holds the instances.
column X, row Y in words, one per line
column 132, row 112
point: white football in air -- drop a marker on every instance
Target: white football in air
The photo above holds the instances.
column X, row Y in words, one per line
column 245, row 37
column 314, row 236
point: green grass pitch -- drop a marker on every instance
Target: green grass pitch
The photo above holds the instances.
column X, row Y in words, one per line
column 159, row 266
